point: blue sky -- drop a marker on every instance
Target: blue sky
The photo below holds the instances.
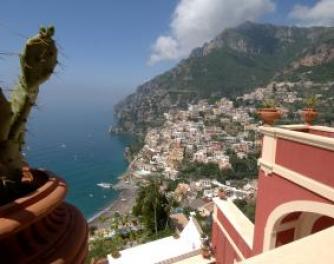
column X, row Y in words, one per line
column 106, row 45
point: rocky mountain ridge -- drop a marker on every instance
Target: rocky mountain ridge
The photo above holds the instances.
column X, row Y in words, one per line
column 235, row 62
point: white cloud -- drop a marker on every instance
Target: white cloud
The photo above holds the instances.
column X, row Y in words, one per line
column 197, row 21
column 321, row 14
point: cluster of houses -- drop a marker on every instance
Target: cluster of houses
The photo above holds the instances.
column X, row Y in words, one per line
column 198, row 194
column 284, row 91
column 196, row 135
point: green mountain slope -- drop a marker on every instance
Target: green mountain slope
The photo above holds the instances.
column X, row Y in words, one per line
column 235, row 62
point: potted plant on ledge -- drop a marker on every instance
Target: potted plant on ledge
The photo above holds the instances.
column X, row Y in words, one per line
column 115, row 254
column 222, row 194
column 36, row 225
column 205, row 247
column 309, row 113
column 269, row 113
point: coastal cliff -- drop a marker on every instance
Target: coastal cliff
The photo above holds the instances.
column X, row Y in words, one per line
column 235, row 62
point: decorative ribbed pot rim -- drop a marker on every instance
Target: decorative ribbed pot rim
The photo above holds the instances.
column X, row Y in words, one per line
column 273, row 109
column 269, row 115
column 309, row 109
column 24, row 211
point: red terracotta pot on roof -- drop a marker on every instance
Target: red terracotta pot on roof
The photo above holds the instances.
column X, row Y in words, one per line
column 269, row 115
column 309, row 115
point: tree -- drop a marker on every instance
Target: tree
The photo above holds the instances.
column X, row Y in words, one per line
column 152, row 207
column 100, row 247
column 247, row 207
column 243, row 168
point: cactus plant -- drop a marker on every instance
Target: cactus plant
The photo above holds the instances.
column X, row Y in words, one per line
column 309, row 113
column 38, row 61
column 311, row 102
column 269, row 113
column 269, row 103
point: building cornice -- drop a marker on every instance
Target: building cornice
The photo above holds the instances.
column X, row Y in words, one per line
column 228, row 237
column 240, row 222
column 286, row 132
column 299, row 179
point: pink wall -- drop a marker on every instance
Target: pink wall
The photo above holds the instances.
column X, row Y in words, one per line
column 310, row 161
column 234, row 234
column 224, row 252
column 273, row 191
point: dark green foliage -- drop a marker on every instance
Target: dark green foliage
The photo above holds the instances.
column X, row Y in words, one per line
column 244, row 168
column 152, row 207
column 196, row 171
column 321, row 73
column 135, row 147
column 229, row 71
column 205, row 223
column 160, row 234
column 251, row 136
column 241, row 169
column 247, row 207
column 100, row 248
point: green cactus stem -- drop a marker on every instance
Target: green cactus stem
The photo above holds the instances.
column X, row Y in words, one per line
column 38, row 61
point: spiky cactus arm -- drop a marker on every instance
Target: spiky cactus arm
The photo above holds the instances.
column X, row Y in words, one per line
column 38, row 61
column 5, row 117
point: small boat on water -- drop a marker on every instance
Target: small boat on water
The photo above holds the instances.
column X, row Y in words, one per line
column 104, row 185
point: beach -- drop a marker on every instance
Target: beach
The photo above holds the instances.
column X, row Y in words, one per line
column 123, row 205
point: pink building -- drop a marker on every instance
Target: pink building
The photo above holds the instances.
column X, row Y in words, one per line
column 295, row 212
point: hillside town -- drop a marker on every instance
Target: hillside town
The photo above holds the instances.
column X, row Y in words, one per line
column 167, row 132
column 209, row 137
column 206, row 134
column 196, row 134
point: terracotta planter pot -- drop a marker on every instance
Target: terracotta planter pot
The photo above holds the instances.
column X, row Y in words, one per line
column 116, row 254
column 269, row 115
column 41, row 228
column 205, row 252
column 176, row 236
column 309, row 115
column 222, row 195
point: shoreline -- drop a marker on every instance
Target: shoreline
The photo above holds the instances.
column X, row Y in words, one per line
column 122, row 204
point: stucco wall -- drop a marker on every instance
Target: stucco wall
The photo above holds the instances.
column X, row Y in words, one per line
column 234, row 234
column 224, row 252
column 273, row 191
column 313, row 162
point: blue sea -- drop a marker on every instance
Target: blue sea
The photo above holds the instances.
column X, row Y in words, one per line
column 72, row 140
